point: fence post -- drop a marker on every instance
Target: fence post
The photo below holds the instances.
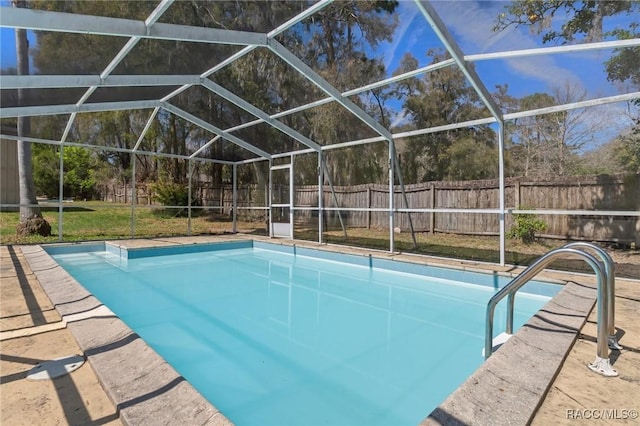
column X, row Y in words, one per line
column 432, row 218
column 516, row 195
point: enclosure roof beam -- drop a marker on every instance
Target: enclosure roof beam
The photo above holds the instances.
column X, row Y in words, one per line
column 100, row 25
column 133, row 41
column 446, row 127
column 299, row 17
column 567, row 48
column 205, row 146
column 218, row 131
column 574, row 105
column 244, row 51
column 400, row 77
column 326, row 87
column 452, row 47
column 66, row 81
column 237, row 100
column 352, row 92
column 147, row 126
column 67, row 128
column 280, row 114
column 28, row 111
column 109, row 148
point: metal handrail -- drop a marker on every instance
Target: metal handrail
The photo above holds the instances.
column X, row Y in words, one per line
column 609, row 270
column 601, row 365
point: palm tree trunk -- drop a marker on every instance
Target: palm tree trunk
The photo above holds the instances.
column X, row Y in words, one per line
column 28, row 202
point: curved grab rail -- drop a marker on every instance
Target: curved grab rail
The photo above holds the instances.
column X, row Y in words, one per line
column 609, row 270
column 601, row 365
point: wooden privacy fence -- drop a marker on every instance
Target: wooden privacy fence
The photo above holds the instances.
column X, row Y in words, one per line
column 609, row 193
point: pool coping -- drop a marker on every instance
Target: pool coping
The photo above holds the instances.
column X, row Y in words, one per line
column 507, row 389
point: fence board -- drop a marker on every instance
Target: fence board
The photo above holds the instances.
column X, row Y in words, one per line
column 619, row 192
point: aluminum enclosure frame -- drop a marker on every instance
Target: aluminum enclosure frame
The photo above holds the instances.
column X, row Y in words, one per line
column 150, row 28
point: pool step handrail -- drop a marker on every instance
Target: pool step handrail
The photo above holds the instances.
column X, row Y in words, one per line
column 601, row 365
column 609, row 270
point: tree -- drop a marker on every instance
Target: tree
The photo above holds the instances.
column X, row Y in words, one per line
column 438, row 98
column 549, row 144
column 337, row 42
column 46, row 170
column 344, row 36
column 31, row 220
column 79, row 172
column 584, row 22
column 629, row 153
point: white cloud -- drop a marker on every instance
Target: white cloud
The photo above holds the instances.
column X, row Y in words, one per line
column 407, row 13
column 399, row 118
column 473, row 24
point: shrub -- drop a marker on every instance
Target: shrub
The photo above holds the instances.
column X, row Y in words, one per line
column 170, row 193
column 525, row 228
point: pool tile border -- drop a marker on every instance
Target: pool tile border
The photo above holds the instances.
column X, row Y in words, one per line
column 507, row 389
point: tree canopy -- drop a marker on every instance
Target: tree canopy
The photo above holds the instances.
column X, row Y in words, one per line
column 582, row 21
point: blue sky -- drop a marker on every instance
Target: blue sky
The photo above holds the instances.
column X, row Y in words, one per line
column 470, row 22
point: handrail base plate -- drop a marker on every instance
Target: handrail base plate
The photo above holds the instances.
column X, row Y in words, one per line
column 602, row 366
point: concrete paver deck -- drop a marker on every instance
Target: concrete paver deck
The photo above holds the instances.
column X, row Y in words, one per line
column 577, row 394
column 32, row 331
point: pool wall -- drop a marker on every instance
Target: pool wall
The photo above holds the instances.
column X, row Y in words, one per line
column 508, row 388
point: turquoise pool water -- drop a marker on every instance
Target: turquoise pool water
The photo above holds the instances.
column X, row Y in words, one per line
column 273, row 337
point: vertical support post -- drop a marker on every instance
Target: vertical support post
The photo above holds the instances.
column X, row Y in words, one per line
column 502, row 201
column 221, row 200
column 432, row 217
column 404, row 194
column 133, row 191
column 61, row 193
column 335, row 202
column 189, row 176
column 320, row 196
column 516, row 194
column 391, row 203
column 291, row 197
column 270, row 195
column 368, row 206
column 235, row 199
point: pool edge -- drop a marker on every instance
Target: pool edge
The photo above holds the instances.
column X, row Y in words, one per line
column 138, row 381
column 461, row 404
column 510, row 386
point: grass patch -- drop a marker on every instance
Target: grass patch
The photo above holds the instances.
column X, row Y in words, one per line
column 96, row 220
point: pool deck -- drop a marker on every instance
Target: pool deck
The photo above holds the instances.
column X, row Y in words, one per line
column 39, row 324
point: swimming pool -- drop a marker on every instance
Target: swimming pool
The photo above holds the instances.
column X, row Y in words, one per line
column 276, row 334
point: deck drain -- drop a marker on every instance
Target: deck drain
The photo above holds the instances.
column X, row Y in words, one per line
column 55, row 368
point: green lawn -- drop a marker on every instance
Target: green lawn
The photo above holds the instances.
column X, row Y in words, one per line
column 95, row 220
